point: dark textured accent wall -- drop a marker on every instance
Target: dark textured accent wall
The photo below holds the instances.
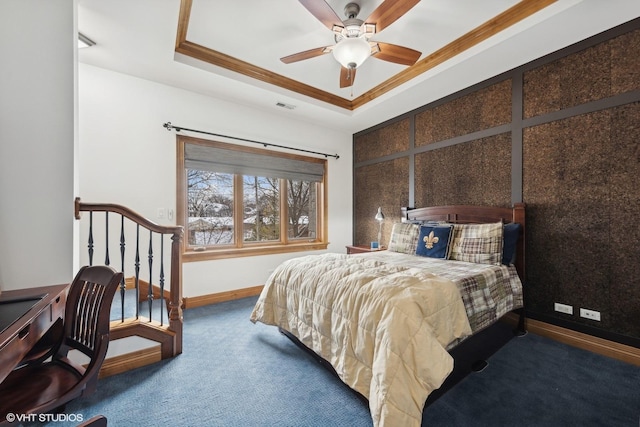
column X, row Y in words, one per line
column 383, row 142
column 607, row 69
column 386, row 185
column 487, row 164
column 564, row 133
column 582, row 195
column 483, row 109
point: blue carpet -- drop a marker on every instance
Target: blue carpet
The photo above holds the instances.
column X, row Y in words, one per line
column 235, row 373
column 158, row 307
column 534, row 381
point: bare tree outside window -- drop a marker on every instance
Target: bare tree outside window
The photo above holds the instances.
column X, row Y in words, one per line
column 261, row 209
column 301, row 202
column 210, row 207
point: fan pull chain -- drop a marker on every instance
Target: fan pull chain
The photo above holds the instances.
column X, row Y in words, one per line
column 349, row 78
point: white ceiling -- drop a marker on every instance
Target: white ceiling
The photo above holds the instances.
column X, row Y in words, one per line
column 138, row 37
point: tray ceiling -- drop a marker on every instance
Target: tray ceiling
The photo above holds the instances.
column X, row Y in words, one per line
column 253, row 44
column 231, row 50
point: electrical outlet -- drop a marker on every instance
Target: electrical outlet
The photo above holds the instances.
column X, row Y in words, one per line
column 563, row 308
column 590, row 314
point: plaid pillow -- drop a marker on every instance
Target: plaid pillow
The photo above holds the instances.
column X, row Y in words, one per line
column 404, row 238
column 478, row 243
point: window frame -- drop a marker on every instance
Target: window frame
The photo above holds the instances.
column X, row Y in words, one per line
column 240, row 248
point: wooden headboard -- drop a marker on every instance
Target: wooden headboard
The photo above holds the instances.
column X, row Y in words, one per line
column 465, row 214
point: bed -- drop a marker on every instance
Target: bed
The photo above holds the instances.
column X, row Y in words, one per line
column 388, row 322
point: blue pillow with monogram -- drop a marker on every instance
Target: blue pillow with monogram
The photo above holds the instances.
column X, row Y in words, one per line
column 435, row 241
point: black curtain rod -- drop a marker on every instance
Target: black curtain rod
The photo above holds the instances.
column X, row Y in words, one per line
column 170, row 127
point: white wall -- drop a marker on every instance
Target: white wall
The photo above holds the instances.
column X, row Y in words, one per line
column 127, row 157
column 37, row 94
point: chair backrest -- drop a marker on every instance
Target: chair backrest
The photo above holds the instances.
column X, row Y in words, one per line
column 86, row 324
column 49, row 382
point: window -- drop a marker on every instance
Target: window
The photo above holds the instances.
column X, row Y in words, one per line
column 238, row 201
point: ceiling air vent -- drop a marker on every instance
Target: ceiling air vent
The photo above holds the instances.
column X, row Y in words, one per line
column 287, row 106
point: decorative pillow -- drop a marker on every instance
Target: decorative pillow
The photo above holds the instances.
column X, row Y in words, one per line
column 434, row 241
column 404, row 238
column 511, row 233
column 479, row 243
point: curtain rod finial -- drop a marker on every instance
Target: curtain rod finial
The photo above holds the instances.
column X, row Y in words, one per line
column 170, row 127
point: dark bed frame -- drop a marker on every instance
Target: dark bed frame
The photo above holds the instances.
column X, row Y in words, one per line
column 471, row 354
column 465, row 214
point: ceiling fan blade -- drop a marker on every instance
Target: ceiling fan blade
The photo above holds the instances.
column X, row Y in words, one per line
column 388, row 12
column 397, row 54
column 323, row 12
column 347, row 76
column 311, row 53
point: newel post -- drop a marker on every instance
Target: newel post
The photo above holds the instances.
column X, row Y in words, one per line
column 175, row 303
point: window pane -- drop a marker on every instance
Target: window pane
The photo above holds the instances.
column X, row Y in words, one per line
column 210, row 208
column 234, row 206
column 261, row 199
column 302, row 205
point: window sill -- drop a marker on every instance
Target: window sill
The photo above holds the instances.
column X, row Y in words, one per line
column 212, row 254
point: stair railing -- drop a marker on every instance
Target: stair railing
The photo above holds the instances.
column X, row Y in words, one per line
column 100, row 243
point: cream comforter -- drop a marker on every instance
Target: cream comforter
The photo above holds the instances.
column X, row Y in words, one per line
column 383, row 328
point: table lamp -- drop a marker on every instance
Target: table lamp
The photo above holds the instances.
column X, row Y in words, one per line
column 379, row 217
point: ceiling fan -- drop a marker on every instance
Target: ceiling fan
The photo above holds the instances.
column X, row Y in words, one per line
column 352, row 35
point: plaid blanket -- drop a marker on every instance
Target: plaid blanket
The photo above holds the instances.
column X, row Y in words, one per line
column 488, row 291
column 383, row 328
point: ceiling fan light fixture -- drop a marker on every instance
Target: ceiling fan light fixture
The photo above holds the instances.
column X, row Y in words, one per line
column 352, row 52
column 352, row 28
column 352, row 36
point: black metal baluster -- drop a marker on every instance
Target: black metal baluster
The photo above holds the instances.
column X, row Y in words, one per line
column 123, row 286
column 106, row 235
column 137, row 270
column 90, row 245
column 150, row 290
column 161, row 279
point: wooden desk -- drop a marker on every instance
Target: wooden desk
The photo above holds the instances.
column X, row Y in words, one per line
column 25, row 317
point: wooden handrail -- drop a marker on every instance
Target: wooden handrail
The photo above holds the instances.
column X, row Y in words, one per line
column 128, row 213
column 175, row 285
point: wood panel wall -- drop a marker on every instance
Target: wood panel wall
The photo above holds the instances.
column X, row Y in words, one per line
column 562, row 134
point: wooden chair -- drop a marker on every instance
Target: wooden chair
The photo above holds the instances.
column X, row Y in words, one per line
column 50, row 381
